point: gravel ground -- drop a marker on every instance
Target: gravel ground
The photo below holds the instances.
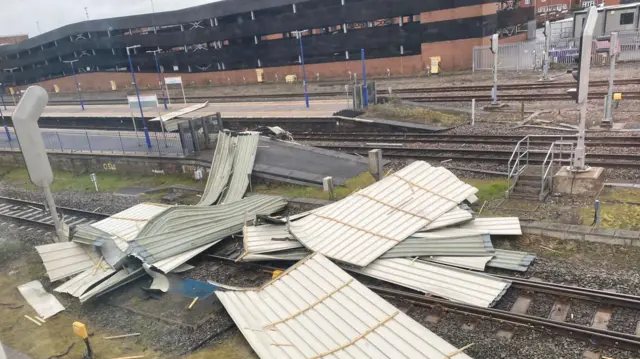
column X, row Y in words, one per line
column 581, row 312
column 624, row 320
column 88, row 201
column 541, row 305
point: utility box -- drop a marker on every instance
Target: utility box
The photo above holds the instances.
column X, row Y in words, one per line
column 56, row 88
column 435, row 65
column 113, row 85
column 260, row 75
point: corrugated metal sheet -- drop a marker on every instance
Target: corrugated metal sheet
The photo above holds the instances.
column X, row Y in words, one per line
column 455, row 284
column 288, row 255
column 45, row 304
column 363, row 226
column 126, row 225
column 65, row 259
column 268, row 238
column 171, row 263
column 511, row 260
column 454, row 216
column 86, row 234
column 220, row 168
column 316, row 310
column 79, row 284
column 463, row 245
column 183, row 228
column 245, row 156
column 117, row 280
column 474, row 263
column 508, row 226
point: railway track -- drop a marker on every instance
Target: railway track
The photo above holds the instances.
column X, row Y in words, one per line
column 595, row 335
column 609, row 160
column 402, row 137
column 382, row 93
column 36, row 213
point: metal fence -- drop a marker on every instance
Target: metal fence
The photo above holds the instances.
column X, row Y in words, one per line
column 527, row 55
column 104, row 142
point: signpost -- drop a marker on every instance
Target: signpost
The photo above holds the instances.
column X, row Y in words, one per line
column 25, row 121
column 174, row 81
column 146, row 101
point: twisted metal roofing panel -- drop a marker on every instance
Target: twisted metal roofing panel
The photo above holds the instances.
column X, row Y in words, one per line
column 317, row 310
column 365, row 225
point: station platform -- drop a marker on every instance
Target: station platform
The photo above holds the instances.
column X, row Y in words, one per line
column 288, row 109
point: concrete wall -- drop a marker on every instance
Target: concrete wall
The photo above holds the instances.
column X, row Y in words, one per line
column 129, row 165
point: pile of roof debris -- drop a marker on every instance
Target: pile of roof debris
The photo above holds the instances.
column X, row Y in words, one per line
column 110, row 253
column 413, row 228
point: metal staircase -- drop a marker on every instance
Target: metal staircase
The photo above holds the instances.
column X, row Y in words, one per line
column 534, row 182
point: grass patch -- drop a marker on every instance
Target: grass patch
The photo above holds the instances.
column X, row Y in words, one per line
column 614, row 215
column 107, row 182
column 394, row 110
column 363, row 180
column 488, row 189
column 630, row 195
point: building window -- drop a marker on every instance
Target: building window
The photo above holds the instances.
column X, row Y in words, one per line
column 527, row 2
column 626, row 19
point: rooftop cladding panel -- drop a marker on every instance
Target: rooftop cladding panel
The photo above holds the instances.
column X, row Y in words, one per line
column 363, row 226
column 315, row 309
column 444, row 281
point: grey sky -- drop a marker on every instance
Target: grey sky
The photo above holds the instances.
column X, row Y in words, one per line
column 19, row 17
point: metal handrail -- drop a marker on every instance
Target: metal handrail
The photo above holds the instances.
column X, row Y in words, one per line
column 544, row 174
column 513, row 167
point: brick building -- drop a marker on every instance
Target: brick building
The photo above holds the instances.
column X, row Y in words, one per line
column 224, row 42
column 12, row 39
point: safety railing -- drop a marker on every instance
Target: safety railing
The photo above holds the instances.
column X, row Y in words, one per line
column 547, row 166
column 517, row 163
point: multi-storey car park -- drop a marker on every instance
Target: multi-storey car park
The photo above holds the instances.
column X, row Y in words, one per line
column 215, row 42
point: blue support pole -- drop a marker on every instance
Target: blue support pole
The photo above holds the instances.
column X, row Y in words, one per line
column 135, row 84
column 365, row 90
column 164, row 98
column 304, row 72
column 73, row 71
column 2, row 96
column 6, row 129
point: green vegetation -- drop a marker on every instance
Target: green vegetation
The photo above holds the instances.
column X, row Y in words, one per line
column 394, row 110
column 616, row 215
column 628, row 195
column 488, row 189
column 351, row 185
column 107, row 182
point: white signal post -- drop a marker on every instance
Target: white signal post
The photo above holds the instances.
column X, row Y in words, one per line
column 583, row 87
column 546, row 58
column 25, row 122
column 494, row 50
column 613, row 54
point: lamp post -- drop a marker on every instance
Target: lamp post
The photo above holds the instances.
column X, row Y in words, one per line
column 155, row 57
column 135, row 84
column 73, row 71
column 304, row 72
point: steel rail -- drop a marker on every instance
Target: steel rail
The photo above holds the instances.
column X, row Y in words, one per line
column 609, row 338
column 595, row 336
column 286, row 96
column 36, row 205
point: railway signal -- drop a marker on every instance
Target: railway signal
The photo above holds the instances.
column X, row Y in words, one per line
column 494, row 50
column 582, row 76
column 613, row 50
column 545, row 55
